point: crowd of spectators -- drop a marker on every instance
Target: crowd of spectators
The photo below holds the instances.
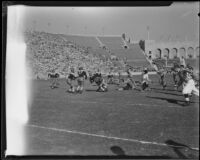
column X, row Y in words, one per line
column 51, row 53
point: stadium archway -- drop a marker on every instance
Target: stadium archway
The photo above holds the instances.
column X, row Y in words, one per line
column 197, row 52
column 182, row 52
column 158, row 53
column 174, row 53
column 190, row 52
column 166, row 53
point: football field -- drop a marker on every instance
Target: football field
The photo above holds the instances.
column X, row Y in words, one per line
column 146, row 124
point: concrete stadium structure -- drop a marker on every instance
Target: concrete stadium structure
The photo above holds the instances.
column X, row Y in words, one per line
column 170, row 50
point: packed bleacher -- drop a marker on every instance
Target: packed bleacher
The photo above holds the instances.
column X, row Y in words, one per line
column 83, row 41
column 48, row 52
column 52, row 53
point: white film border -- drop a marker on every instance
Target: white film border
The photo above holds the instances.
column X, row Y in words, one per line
column 16, row 82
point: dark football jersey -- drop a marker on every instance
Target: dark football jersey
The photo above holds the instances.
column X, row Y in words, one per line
column 82, row 74
column 181, row 74
column 98, row 74
column 72, row 76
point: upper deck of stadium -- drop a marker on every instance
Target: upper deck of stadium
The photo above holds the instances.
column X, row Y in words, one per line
column 109, row 45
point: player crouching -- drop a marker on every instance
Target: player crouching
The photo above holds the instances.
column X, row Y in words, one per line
column 100, row 82
column 129, row 83
column 189, row 87
column 103, row 87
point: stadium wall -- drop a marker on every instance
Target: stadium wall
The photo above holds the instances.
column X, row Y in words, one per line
column 170, row 50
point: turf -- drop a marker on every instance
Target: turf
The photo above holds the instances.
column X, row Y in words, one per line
column 151, row 116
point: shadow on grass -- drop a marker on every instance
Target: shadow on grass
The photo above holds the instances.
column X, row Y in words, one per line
column 179, row 148
column 169, row 93
column 163, row 89
column 117, row 150
column 90, row 90
column 120, row 153
column 170, row 100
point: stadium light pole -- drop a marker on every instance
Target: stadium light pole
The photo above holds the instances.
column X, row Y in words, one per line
column 34, row 25
column 177, row 38
column 148, row 32
column 85, row 28
column 67, row 29
column 168, row 38
column 161, row 37
column 103, row 31
column 186, row 39
column 49, row 25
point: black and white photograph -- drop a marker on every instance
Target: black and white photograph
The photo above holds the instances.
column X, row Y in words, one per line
column 116, row 81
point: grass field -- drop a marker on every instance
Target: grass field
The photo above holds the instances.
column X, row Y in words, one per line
column 151, row 124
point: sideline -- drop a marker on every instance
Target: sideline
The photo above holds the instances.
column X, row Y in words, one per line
column 107, row 137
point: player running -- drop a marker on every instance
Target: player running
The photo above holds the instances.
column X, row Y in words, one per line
column 82, row 75
column 145, row 80
column 181, row 78
column 110, row 78
column 71, row 80
column 174, row 71
column 162, row 73
column 189, row 86
column 53, row 79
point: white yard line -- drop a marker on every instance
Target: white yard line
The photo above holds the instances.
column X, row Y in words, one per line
column 110, row 103
column 126, row 104
column 103, row 136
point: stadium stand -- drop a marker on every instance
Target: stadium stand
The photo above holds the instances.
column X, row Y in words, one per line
column 48, row 52
column 160, row 62
column 112, row 42
column 170, row 62
column 83, row 41
column 133, row 53
column 51, row 53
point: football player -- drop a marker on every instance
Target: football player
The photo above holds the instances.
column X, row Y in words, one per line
column 71, row 80
column 82, row 75
column 189, row 86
